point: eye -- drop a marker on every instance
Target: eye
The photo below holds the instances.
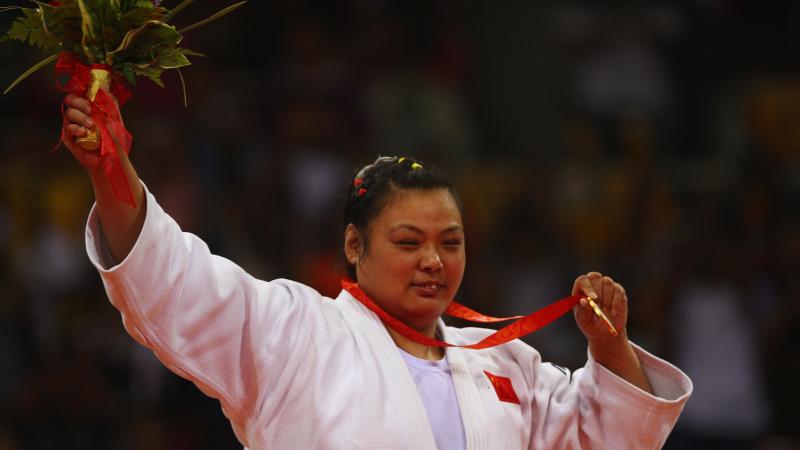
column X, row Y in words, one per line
column 407, row 243
column 452, row 243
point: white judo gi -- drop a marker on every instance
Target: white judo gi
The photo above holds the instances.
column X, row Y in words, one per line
column 293, row 369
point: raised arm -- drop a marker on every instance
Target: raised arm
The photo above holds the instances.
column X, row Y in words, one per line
column 121, row 223
column 239, row 339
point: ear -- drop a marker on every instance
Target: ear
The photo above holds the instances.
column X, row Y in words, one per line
column 352, row 243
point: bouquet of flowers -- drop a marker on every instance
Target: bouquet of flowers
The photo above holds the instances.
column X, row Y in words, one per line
column 102, row 45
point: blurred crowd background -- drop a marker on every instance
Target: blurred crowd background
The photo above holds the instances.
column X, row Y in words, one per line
column 655, row 142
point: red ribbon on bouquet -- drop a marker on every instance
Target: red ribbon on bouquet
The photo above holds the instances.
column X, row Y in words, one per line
column 106, row 117
column 524, row 326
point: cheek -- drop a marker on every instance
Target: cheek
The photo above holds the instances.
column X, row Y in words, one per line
column 391, row 262
column 455, row 265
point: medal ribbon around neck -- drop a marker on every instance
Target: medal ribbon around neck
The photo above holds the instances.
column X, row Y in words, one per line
column 523, row 326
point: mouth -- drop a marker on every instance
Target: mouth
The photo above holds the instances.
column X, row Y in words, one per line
column 428, row 288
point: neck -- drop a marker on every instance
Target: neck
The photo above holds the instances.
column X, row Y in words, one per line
column 416, row 349
column 411, row 347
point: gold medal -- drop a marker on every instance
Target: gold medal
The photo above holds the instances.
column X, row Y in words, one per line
column 599, row 312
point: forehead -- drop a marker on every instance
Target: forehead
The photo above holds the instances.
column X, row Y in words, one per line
column 434, row 208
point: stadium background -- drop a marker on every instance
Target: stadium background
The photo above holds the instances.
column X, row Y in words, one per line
column 654, row 141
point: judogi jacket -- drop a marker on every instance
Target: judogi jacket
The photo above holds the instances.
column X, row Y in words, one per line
column 293, row 369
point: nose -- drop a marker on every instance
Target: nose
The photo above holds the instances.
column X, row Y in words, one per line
column 431, row 262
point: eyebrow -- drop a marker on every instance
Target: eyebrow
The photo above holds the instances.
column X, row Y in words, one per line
column 418, row 230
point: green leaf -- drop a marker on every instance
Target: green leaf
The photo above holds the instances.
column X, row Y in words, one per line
column 135, row 17
column 151, row 72
column 90, row 27
column 127, row 71
column 29, row 28
column 9, row 8
column 127, row 5
column 189, row 52
column 33, row 69
column 141, row 45
column 171, row 58
column 183, row 87
column 96, row 16
column 109, row 14
column 63, row 24
column 112, row 35
column 89, row 22
column 130, row 35
column 213, row 17
column 176, row 10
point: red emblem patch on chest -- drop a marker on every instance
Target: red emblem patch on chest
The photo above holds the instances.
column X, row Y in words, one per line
column 503, row 388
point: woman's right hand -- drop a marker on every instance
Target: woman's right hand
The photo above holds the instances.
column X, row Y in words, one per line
column 79, row 122
column 121, row 223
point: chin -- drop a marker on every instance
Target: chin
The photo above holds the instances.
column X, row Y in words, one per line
column 429, row 307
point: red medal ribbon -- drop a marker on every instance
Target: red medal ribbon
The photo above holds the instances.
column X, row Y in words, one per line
column 524, row 326
column 106, row 116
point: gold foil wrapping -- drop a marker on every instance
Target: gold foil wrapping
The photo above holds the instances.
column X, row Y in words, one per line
column 98, row 79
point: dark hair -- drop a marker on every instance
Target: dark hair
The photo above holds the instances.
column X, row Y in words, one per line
column 371, row 188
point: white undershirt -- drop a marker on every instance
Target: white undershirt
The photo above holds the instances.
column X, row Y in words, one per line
column 435, row 386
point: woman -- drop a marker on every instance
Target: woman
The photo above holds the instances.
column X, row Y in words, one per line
column 295, row 370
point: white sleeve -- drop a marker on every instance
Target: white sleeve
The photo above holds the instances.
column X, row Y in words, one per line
column 204, row 317
column 595, row 409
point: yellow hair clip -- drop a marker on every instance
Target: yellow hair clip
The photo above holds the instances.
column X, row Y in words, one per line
column 403, row 158
column 416, row 166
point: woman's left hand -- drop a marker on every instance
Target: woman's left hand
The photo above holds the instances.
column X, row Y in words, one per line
column 610, row 297
column 615, row 353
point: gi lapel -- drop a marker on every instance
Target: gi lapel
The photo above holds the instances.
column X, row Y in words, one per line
column 401, row 390
column 469, row 399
